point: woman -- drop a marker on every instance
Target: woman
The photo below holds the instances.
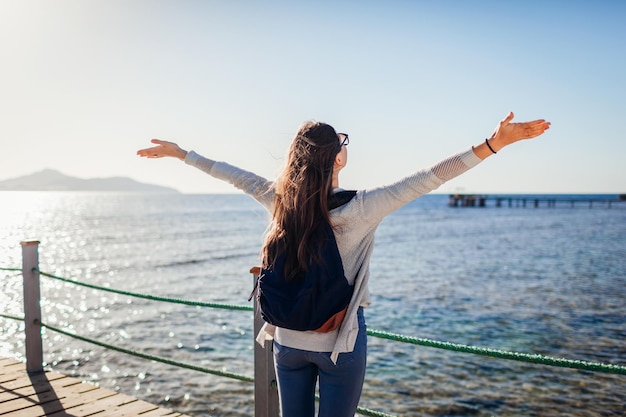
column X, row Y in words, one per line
column 298, row 203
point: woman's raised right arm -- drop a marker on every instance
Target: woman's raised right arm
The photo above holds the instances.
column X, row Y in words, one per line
column 162, row 149
column 254, row 185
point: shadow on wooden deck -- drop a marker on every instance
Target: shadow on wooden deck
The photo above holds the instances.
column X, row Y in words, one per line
column 54, row 394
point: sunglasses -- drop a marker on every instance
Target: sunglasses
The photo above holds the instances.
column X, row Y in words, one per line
column 346, row 139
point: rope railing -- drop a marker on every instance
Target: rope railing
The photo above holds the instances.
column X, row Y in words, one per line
column 8, row 316
column 151, row 357
column 151, row 297
column 456, row 347
column 489, row 352
column 138, row 354
column 503, row 354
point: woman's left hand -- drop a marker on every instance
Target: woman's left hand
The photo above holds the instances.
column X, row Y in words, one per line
column 507, row 133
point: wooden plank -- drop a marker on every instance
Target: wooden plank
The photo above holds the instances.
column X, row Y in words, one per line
column 10, row 371
column 73, row 385
column 102, row 405
column 36, row 405
column 44, row 399
column 7, row 362
column 7, row 378
column 161, row 412
column 20, row 392
column 55, row 395
column 75, row 405
column 24, row 382
column 136, row 408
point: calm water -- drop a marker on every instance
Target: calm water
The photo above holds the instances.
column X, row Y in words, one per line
column 548, row 280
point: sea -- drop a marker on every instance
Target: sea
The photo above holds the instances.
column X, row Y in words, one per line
column 548, row 280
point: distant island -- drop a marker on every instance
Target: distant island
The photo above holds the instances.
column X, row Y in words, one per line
column 52, row 180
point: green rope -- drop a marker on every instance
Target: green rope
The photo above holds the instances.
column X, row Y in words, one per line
column 153, row 297
column 7, row 316
column 516, row 356
column 495, row 353
column 372, row 413
column 152, row 357
column 11, row 269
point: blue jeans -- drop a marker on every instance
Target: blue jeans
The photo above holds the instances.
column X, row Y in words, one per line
column 340, row 385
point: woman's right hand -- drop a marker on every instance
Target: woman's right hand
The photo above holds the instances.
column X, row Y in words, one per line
column 162, row 149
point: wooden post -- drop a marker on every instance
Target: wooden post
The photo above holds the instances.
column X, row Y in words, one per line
column 32, row 308
column 265, row 385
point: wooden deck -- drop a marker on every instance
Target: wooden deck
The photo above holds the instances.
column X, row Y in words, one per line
column 54, row 394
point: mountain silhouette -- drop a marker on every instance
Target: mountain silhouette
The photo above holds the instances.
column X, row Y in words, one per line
column 52, row 180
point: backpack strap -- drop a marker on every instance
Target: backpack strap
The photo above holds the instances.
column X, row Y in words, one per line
column 340, row 198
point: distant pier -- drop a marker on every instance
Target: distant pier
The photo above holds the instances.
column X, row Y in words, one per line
column 479, row 200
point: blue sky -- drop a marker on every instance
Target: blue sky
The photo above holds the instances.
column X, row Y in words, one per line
column 84, row 84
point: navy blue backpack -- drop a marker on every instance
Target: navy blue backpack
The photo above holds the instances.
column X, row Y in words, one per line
column 318, row 299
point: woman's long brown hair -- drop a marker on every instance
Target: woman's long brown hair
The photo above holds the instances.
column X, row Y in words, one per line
column 301, row 202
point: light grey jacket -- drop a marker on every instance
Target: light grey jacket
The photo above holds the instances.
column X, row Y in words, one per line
column 354, row 224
